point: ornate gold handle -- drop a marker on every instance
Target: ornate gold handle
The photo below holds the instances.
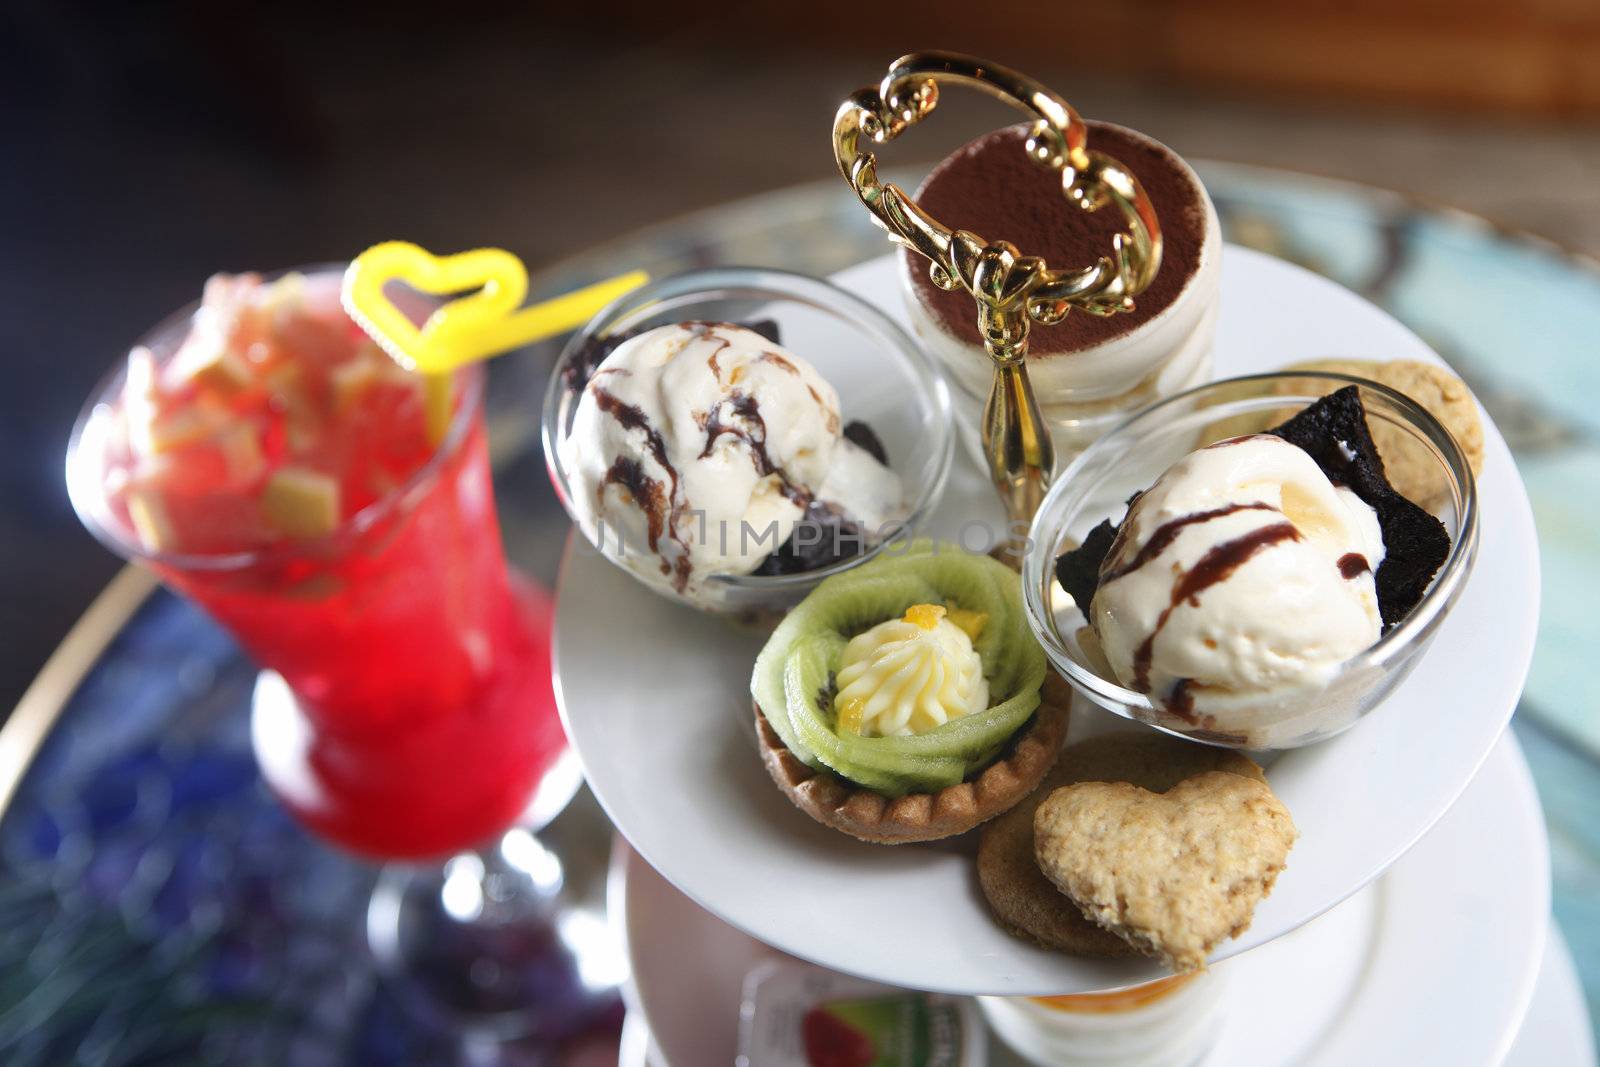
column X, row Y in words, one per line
column 1011, row 290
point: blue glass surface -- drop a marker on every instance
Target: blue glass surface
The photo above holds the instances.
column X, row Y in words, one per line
column 158, row 907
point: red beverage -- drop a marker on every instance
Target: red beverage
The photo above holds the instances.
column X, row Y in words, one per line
column 335, row 513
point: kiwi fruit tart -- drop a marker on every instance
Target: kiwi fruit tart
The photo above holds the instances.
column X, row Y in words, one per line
column 906, row 700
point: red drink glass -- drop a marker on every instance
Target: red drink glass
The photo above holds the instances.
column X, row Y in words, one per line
column 409, row 713
column 335, row 513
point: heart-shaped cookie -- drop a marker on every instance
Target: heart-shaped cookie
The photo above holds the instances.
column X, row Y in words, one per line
column 1022, row 899
column 1172, row 873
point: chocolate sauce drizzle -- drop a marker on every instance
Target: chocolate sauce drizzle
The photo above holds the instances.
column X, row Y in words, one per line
column 1209, row 732
column 751, row 427
column 743, row 422
column 1168, row 532
column 645, row 490
column 1181, row 702
column 1213, row 567
column 651, row 502
column 783, row 364
column 1353, row 565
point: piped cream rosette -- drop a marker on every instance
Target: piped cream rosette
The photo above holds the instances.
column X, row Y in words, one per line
column 906, row 674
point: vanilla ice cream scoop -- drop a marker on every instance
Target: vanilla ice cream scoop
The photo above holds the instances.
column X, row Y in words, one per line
column 697, row 448
column 1242, row 572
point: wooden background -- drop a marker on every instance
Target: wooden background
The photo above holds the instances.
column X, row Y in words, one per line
column 1535, row 57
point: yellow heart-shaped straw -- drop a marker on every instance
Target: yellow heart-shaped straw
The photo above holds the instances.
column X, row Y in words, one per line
column 483, row 323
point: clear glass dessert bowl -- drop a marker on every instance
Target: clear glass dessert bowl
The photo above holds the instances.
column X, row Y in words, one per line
column 1126, row 461
column 883, row 378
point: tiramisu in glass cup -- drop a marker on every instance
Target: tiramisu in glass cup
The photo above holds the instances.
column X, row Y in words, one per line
column 1088, row 371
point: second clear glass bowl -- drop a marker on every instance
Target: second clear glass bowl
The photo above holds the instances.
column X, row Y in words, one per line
column 882, row 376
column 1126, row 461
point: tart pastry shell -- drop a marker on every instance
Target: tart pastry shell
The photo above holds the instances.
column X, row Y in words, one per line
column 870, row 816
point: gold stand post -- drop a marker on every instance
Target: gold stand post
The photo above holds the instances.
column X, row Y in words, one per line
column 1011, row 290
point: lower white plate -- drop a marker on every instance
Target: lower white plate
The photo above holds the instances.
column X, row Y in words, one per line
column 655, row 697
column 1435, row 963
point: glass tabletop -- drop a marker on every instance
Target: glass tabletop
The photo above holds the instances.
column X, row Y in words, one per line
column 159, row 908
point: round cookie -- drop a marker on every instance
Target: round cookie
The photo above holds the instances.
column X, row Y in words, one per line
column 1411, row 470
column 1022, row 899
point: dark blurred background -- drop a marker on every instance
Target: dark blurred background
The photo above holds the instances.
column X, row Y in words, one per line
column 149, row 144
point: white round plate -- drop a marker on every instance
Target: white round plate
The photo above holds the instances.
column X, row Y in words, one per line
column 1424, row 967
column 655, row 697
column 1556, row 1028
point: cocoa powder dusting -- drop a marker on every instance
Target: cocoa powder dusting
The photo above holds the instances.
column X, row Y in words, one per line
column 991, row 188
